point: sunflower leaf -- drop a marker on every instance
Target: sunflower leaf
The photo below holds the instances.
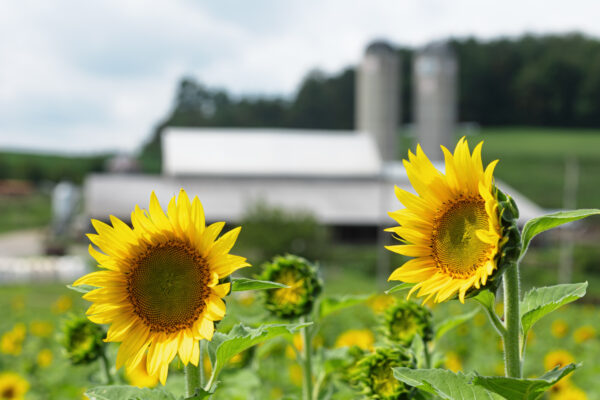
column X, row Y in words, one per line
column 224, row 346
column 541, row 224
column 523, row 389
column 124, row 392
column 443, row 383
column 400, row 287
column 242, row 284
column 452, row 322
column 540, row 301
column 82, row 288
column 331, row 304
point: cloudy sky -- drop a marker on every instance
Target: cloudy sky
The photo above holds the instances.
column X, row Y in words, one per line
column 90, row 76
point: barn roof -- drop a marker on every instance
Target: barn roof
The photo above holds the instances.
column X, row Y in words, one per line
column 268, row 152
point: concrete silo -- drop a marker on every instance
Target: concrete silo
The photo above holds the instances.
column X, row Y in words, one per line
column 378, row 97
column 435, row 93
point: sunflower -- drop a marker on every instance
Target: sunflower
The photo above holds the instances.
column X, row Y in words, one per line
column 12, row 386
column 162, row 286
column 454, row 227
column 404, row 320
column 362, row 338
column 558, row 358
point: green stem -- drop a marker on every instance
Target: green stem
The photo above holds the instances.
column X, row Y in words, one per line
column 495, row 320
column 307, row 361
column 193, row 374
column 512, row 348
column 106, row 368
column 427, row 355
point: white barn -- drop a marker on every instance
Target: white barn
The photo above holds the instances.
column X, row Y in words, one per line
column 345, row 178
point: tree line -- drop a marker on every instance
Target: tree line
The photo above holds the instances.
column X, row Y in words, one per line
column 549, row 80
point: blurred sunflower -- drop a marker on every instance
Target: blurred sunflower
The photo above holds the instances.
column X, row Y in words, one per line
column 12, row 341
column 62, row 305
column 559, row 328
column 456, row 228
column 584, row 333
column 557, row 358
column 12, row 386
column 453, row 362
column 161, row 289
column 362, row 338
column 380, row 302
column 44, row 358
column 569, row 393
column 41, row 328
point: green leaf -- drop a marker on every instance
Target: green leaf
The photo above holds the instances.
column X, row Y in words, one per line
column 123, row 392
column 541, row 224
column 523, row 389
column 452, row 322
column 224, row 346
column 541, row 301
column 242, row 284
column 400, row 287
column 486, row 298
column 443, row 383
column 82, row 288
column 330, row 304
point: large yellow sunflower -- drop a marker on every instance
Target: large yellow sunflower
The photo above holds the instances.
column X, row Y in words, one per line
column 160, row 289
column 451, row 228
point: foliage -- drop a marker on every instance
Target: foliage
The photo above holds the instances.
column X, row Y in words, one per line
column 270, row 231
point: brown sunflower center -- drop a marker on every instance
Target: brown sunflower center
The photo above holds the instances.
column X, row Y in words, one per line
column 8, row 393
column 455, row 246
column 168, row 286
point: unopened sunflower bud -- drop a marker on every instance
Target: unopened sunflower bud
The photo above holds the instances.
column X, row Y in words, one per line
column 82, row 340
column 303, row 281
column 404, row 320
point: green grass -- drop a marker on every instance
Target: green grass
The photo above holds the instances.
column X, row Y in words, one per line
column 533, row 160
column 49, row 167
column 24, row 212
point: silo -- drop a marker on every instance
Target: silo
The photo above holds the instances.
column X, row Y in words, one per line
column 378, row 97
column 435, row 93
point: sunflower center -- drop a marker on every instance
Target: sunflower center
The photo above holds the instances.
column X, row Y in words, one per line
column 8, row 393
column 455, row 246
column 168, row 286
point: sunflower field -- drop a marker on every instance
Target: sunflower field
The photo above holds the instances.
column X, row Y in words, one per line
column 174, row 310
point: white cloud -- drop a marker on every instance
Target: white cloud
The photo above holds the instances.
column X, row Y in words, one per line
column 92, row 76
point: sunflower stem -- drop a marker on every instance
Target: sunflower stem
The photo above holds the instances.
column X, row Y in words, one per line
column 307, row 361
column 106, row 368
column 512, row 348
column 193, row 375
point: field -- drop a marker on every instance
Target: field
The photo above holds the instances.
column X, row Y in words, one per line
column 532, row 161
column 273, row 371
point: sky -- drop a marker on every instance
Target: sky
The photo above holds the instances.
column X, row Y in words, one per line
column 93, row 76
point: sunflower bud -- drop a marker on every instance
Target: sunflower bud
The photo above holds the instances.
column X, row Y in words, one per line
column 303, row 281
column 82, row 340
column 374, row 377
column 510, row 244
column 406, row 319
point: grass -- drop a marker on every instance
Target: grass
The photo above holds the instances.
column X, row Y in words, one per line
column 31, row 211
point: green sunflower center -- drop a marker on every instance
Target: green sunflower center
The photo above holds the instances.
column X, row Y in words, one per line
column 456, row 248
column 404, row 326
column 384, row 383
column 168, row 286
